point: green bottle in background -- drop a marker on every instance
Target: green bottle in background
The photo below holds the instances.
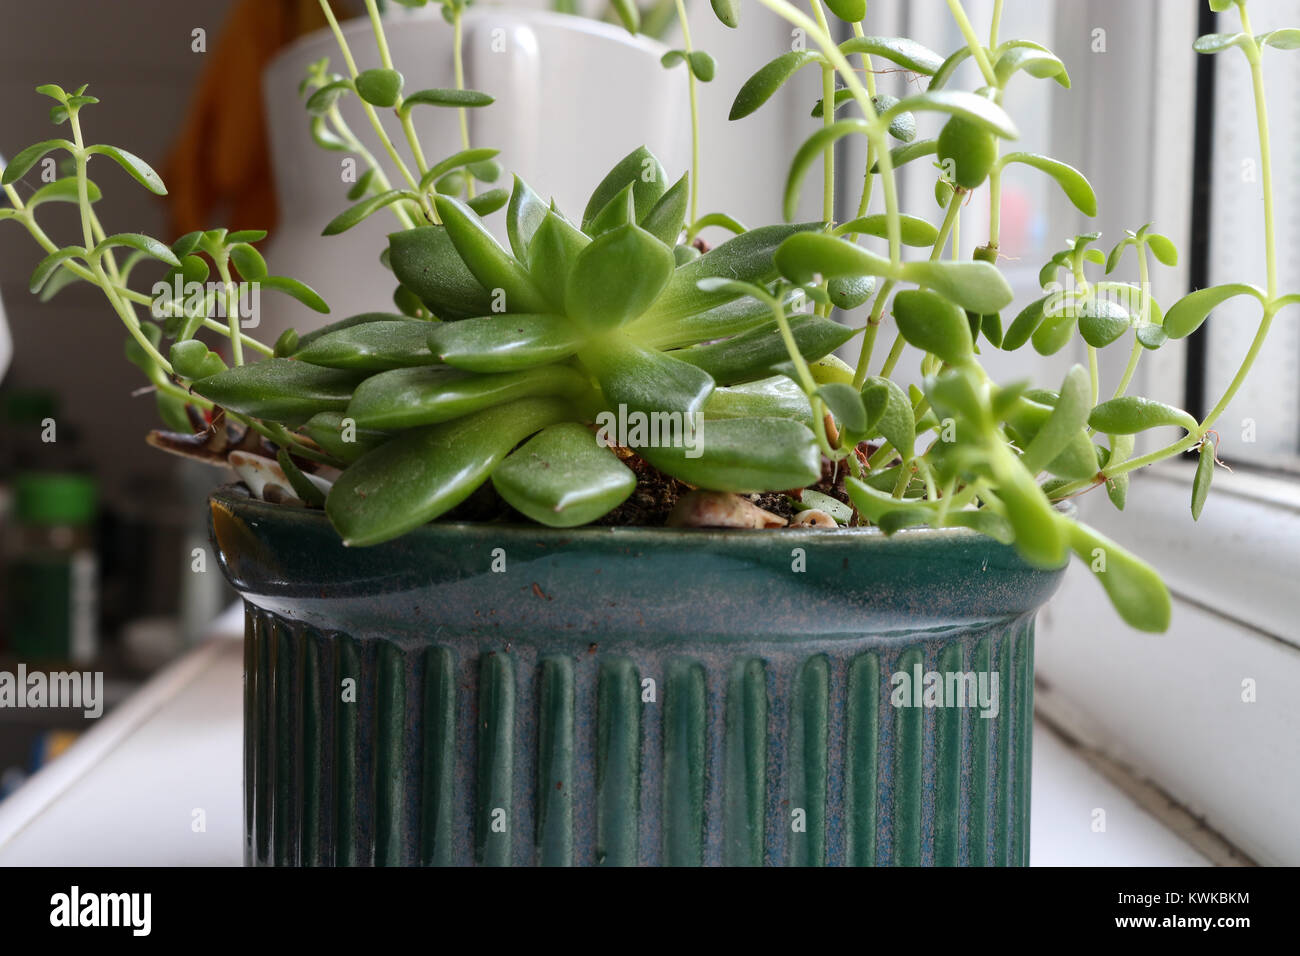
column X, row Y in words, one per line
column 53, row 574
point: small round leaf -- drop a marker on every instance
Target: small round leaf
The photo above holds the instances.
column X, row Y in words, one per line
column 379, row 87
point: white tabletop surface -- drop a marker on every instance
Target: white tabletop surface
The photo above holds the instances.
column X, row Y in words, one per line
column 127, row 792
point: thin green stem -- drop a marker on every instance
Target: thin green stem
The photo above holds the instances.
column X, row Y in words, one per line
column 375, row 123
column 973, row 41
column 956, row 239
column 878, row 309
column 996, row 28
column 381, row 39
column 110, row 260
column 927, row 475
column 83, row 190
column 1094, row 375
column 945, row 502
column 864, row 356
column 128, row 317
column 806, row 380
column 905, row 475
column 1144, row 297
column 695, row 115
column 181, row 394
column 458, row 61
column 1255, row 57
column 1130, row 370
column 878, row 131
column 49, row 245
column 124, row 310
column 828, row 119
column 413, row 139
column 247, row 340
column 232, row 309
column 1256, row 346
column 869, row 75
column 386, row 58
column 381, row 179
column 895, row 353
column 873, row 329
column 828, row 157
column 949, row 224
column 967, row 495
column 995, row 204
column 884, row 453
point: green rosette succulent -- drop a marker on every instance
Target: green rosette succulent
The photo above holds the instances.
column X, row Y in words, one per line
column 525, row 364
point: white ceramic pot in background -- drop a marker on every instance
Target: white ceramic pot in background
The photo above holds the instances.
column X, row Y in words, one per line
column 573, row 96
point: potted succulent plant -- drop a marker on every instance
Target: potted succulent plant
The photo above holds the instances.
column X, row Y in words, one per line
column 594, row 552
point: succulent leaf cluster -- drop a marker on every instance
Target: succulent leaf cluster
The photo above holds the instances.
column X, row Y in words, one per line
column 566, row 323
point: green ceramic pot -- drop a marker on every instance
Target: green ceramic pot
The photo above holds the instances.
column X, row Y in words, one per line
column 503, row 695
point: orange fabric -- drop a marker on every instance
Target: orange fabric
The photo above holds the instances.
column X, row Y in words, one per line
column 221, row 164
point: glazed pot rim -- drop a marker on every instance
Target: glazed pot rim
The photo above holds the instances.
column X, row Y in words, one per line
column 237, row 494
column 634, row 581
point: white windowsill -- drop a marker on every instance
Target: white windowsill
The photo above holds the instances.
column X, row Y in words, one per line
column 1174, row 706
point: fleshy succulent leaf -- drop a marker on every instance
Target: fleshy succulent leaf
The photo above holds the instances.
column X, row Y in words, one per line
column 503, row 343
column 524, row 215
column 760, row 87
column 1130, row 414
column 913, row 231
column 563, row 477
column 372, row 346
column 747, row 257
column 280, row 389
column 1064, row 424
column 425, row 472
column 295, row 290
column 890, row 414
column 554, row 248
column 640, row 168
column 617, row 277
column 752, row 355
column 141, row 171
column 411, row 397
column 492, row 266
column 1187, row 314
column 977, row 286
column 647, row 381
column 908, row 54
column 744, row 455
column 1072, row 182
column 668, row 217
column 1037, row 63
column 448, row 98
column 1134, row 587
